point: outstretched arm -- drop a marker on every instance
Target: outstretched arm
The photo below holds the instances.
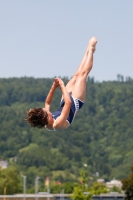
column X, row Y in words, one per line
column 51, row 94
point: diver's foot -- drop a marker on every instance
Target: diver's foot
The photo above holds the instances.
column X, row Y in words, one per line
column 92, row 44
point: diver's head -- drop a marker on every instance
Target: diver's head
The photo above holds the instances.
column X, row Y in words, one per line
column 37, row 117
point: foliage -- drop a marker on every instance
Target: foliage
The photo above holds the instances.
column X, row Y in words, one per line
column 10, row 181
column 100, row 136
column 85, row 192
column 115, row 189
column 128, row 186
column 98, row 188
column 81, row 192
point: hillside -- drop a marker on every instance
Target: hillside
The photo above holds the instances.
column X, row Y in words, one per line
column 101, row 135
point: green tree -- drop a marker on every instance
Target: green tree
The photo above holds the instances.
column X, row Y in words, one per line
column 128, row 186
column 10, row 180
column 115, row 189
column 98, row 188
column 81, row 192
column 85, row 192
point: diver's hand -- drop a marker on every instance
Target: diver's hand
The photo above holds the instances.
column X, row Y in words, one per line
column 56, row 83
column 61, row 83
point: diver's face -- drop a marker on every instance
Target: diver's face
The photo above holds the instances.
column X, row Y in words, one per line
column 50, row 118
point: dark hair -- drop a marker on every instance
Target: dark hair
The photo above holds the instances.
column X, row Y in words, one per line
column 37, row 117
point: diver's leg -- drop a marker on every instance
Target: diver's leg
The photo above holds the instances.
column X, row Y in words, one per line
column 72, row 81
column 79, row 87
column 83, row 67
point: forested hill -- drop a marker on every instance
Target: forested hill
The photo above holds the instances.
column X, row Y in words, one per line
column 101, row 135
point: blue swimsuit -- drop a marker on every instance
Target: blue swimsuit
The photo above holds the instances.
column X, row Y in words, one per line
column 75, row 106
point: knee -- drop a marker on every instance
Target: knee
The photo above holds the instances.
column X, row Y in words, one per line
column 82, row 74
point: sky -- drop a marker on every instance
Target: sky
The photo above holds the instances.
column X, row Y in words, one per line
column 48, row 38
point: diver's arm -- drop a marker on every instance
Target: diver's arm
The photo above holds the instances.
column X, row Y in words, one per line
column 66, row 109
column 50, row 95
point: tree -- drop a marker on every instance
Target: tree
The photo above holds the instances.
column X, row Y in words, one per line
column 10, row 180
column 115, row 189
column 128, row 186
column 98, row 188
column 81, row 192
column 84, row 192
